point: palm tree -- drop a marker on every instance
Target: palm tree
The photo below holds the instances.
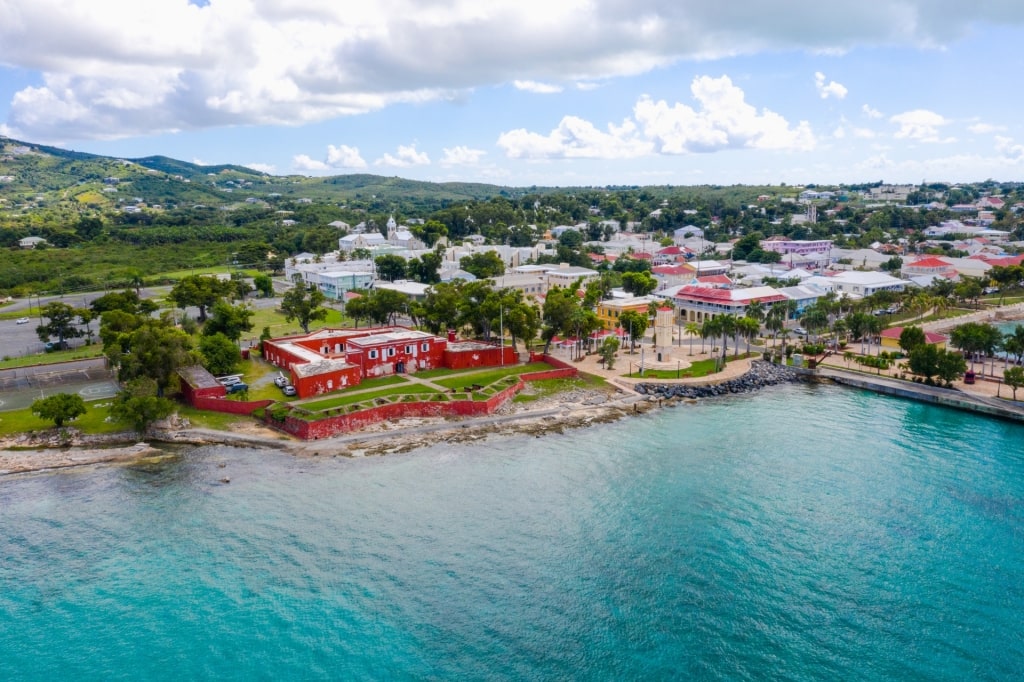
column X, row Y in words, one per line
column 873, row 327
column 815, row 319
column 775, row 321
column 756, row 311
column 748, row 328
column 727, row 327
column 693, row 329
column 710, row 328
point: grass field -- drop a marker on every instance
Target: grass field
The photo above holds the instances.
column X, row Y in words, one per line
column 352, row 398
column 93, row 421
column 93, row 351
column 465, row 379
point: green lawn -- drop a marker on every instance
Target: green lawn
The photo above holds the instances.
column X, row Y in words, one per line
column 218, row 421
column 352, row 398
column 93, row 421
column 548, row 387
column 701, row 368
column 93, row 351
column 488, row 376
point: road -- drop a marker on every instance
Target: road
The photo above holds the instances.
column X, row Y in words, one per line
column 20, row 340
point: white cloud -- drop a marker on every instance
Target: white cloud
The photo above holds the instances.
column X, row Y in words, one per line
column 985, row 128
column 344, row 156
column 830, row 89
column 575, row 138
column 537, row 88
column 124, row 67
column 1008, row 149
column 267, row 168
column 871, row 112
column 406, row 158
column 920, row 124
column 461, row 156
column 587, row 85
column 723, row 121
column 302, row 162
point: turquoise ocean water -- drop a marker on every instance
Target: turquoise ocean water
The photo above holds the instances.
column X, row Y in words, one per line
column 804, row 533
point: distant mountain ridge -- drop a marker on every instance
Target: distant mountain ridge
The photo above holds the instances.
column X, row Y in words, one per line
column 67, row 168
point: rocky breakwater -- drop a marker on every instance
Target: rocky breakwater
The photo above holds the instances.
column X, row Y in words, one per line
column 761, row 374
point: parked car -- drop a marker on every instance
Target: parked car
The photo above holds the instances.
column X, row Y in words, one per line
column 289, row 390
column 238, row 388
column 23, row 320
column 229, row 381
column 280, row 381
column 799, row 331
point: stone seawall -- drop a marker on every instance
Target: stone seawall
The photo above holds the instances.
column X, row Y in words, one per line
column 761, row 374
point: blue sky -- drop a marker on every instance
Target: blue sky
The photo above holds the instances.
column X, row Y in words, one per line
column 563, row 92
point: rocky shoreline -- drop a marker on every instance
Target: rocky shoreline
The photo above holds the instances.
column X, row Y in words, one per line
column 761, row 375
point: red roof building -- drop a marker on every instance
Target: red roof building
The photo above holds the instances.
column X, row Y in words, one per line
column 697, row 304
column 332, row 359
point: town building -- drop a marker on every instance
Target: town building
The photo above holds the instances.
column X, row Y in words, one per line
column 331, row 359
column 609, row 312
column 799, row 252
column 890, row 338
column 697, row 304
column 860, row 284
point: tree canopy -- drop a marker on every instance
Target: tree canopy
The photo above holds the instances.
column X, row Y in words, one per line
column 59, row 408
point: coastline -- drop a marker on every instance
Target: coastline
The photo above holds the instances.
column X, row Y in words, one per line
column 66, row 448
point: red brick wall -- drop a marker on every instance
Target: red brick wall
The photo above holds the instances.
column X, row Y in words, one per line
column 488, row 357
column 554, row 362
column 332, row 426
column 307, row 387
column 383, row 365
column 230, row 406
column 191, row 395
column 560, row 373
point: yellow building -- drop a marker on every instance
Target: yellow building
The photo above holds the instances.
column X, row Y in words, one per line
column 891, row 339
column 609, row 312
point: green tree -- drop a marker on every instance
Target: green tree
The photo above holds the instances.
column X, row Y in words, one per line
column 911, row 338
column 220, row 354
column 390, row 267
column 264, row 285
column 1013, row 343
column 429, row 232
column 635, row 323
column 304, row 304
column 521, row 320
column 559, row 305
column 155, row 350
column 815, row 318
column 140, row 405
column 639, row 283
column 439, row 310
column 924, row 360
column 609, row 347
column 1014, row 378
column 59, row 408
column 483, row 265
column 426, row 269
column 230, row 320
column 201, row 291
column 747, row 328
column 60, row 323
column 127, row 301
column 950, row 366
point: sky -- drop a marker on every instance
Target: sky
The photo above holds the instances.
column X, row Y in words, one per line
column 521, row 93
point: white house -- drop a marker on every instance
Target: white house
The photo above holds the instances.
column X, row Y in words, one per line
column 858, row 284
